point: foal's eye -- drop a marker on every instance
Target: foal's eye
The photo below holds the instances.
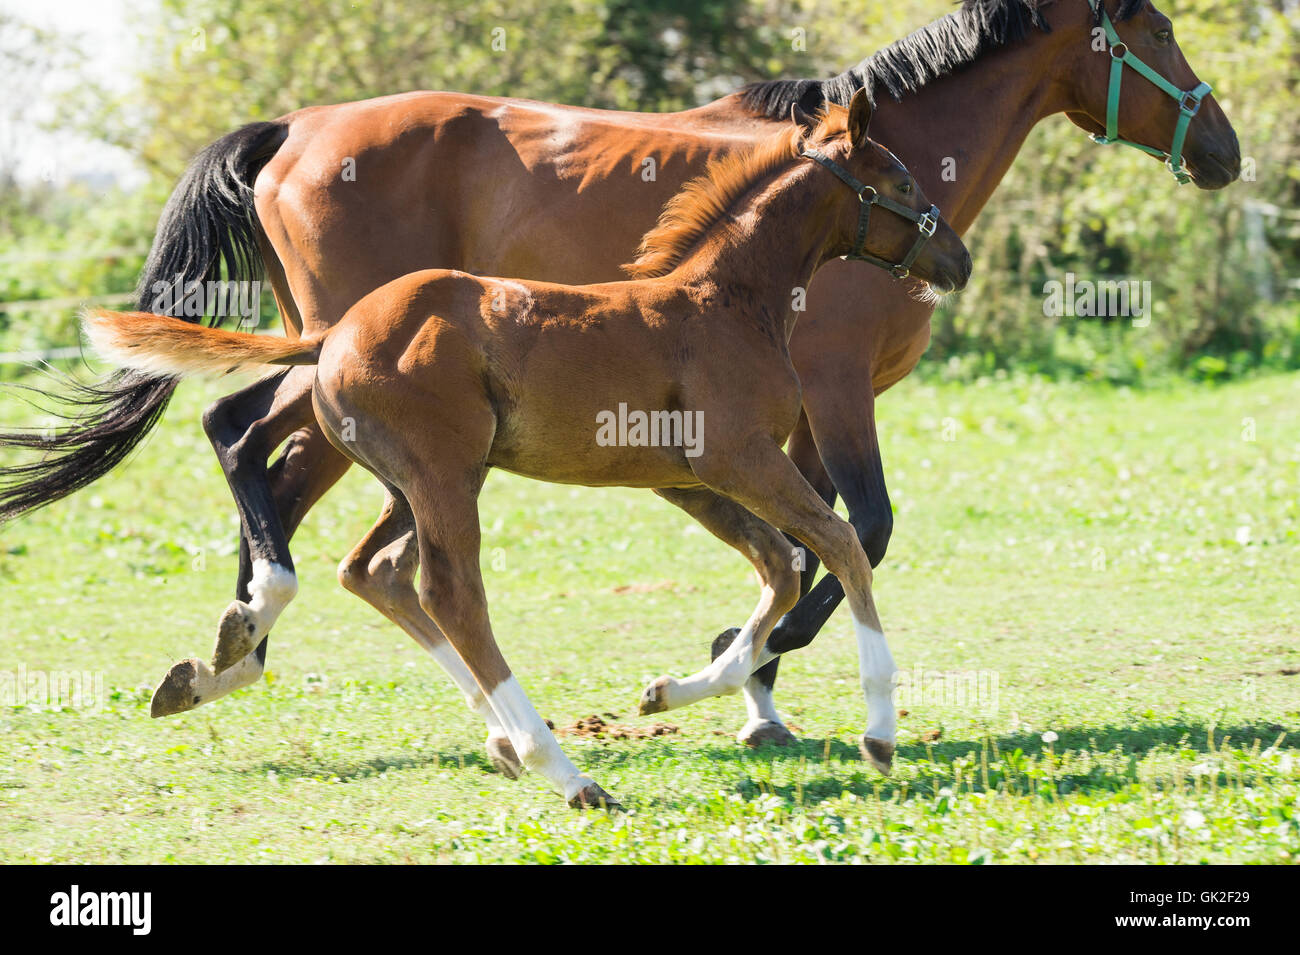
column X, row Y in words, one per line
column 1164, row 37
column 905, row 188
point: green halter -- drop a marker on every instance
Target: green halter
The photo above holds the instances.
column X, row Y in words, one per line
column 1189, row 101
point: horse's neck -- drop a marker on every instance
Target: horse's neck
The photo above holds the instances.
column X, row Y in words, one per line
column 769, row 245
column 959, row 134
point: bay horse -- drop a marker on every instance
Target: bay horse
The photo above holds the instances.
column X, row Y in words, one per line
column 511, row 187
column 439, row 375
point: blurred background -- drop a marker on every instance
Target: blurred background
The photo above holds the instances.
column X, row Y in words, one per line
column 105, row 101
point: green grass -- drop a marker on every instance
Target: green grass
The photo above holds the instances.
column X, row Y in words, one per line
column 1124, row 563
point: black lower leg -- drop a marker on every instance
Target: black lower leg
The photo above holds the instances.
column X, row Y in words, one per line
column 872, row 516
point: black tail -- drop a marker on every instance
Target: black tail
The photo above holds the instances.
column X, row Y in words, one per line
column 208, row 221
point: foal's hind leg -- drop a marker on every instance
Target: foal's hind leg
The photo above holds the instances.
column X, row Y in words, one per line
column 773, row 559
column 381, row 571
column 432, row 448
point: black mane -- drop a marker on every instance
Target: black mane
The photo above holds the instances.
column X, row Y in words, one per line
column 935, row 50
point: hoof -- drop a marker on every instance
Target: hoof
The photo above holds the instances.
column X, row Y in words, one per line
column 722, row 641
column 503, row 757
column 592, row 796
column 761, row 732
column 878, row 753
column 235, row 636
column 654, row 698
column 175, row 694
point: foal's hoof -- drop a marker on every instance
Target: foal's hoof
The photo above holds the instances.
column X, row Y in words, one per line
column 175, row 694
column 654, row 698
column 502, row 754
column 235, row 636
column 878, row 753
column 759, row 732
column 592, row 796
column 723, row 640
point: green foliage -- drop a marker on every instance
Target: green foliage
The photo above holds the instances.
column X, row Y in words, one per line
column 1219, row 263
column 1223, row 266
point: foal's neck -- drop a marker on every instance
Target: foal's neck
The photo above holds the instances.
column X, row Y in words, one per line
column 762, row 255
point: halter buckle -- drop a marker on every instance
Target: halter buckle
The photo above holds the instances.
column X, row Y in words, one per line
column 900, row 271
column 1118, row 51
column 928, row 222
column 1190, row 96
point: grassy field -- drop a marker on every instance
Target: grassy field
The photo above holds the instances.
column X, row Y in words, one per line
column 1123, row 565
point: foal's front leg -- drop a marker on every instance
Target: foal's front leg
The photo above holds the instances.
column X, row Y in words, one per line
column 773, row 559
column 757, row 474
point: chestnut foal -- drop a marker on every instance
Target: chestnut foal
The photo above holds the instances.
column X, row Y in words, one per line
column 438, row 376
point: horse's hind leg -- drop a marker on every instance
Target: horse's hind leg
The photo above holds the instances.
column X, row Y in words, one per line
column 774, row 560
column 381, row 571
column 244, row 429
column 306, row 469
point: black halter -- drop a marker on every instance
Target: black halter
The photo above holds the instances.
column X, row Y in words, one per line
column 926, row 222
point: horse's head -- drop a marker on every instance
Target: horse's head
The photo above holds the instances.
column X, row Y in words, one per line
column 1131, row 84
column 892, row 224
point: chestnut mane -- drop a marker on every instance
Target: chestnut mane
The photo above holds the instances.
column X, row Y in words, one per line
column 705, row 201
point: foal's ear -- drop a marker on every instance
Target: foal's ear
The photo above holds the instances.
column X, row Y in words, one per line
column 860, row 113
column 801, row 119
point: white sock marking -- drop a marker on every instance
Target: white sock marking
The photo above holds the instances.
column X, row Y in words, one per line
column 449, row 660
column 759, row 705
column 209, row 686
column 877, row 668
column 270, row 590
column 533, row 741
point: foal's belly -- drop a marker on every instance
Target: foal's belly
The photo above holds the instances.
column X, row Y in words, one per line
column 626, row 450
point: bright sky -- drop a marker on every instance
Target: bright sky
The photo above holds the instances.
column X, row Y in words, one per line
column 100, row 28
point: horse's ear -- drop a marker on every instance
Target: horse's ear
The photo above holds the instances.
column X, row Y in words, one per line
column 860, row 112
column 801, row 119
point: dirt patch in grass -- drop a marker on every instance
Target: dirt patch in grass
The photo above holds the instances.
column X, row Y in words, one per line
column 595, row 727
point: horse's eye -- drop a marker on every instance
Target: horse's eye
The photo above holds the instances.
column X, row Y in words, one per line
column 1164, row 37
column 905, row 188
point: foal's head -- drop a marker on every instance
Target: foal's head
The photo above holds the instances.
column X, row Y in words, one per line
column 881, row 214
column 891, row 223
